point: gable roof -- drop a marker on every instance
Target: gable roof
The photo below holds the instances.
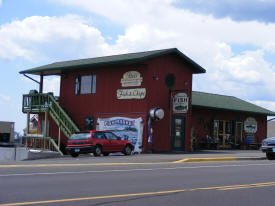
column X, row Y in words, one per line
column 222, row 102
column 122, row 59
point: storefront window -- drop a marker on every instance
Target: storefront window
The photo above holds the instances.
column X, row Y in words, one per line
column 85, row 84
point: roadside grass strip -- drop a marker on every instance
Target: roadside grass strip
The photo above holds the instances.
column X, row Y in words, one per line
column 207, row 159
column 218, row 188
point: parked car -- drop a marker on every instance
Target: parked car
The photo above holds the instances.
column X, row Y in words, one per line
column 268, row 146
column 97, row 142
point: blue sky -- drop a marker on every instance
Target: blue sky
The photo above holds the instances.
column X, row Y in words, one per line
column 233, row 40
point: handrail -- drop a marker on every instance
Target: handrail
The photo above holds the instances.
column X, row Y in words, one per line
column 46, row 102
column 62, row 114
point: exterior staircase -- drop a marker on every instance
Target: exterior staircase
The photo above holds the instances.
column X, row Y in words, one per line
column 39, row 102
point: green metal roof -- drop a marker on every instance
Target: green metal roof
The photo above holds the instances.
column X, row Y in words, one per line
column 131, row 58
column 222, row 102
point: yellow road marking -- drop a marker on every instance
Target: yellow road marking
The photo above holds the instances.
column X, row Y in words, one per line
column 124, row 163
column 207, row 159
column 219, row 188
column 268, row 184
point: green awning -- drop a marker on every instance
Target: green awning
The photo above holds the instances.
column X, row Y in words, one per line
column 222, row 102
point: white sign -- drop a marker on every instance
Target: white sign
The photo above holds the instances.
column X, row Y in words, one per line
column 250, row 125
column 138, row 93
column 126, row 128
column 180, row 103
column 131, row 79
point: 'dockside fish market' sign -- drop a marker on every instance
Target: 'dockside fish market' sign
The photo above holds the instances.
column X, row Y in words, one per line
column 131, row 79
column 138, row 93
column 180, row 103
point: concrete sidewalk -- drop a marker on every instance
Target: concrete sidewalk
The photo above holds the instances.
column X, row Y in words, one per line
column 209, row 155
column 160, row 158
column 222, row 155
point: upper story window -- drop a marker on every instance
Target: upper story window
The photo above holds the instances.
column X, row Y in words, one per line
column 85, row 84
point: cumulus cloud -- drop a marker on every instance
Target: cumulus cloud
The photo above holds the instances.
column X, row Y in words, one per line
column 38, row 37
column 266, row 104
column 52, row 84
column 4, row 98
column 155, row 24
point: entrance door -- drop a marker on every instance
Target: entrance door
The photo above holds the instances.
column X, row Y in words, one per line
column 239, row 129
column 225, row 134
column 178, row 133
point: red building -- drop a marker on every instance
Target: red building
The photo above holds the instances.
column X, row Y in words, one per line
column 121, row 90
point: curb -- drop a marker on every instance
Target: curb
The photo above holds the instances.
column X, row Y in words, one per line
column 216, row 159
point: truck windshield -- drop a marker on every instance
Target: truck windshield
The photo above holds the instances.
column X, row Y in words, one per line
column 80, row 136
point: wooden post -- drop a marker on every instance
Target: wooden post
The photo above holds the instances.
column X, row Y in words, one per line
column 41, row 84
column 45, row 127
column 59, row 137
column 28, row 123
column 46, row 123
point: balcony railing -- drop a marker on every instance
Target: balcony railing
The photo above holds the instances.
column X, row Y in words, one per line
column 35, row 103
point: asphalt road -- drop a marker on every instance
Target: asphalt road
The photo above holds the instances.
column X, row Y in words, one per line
column 208, row 183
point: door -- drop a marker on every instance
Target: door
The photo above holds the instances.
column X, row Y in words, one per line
column 239, row 130
column 225, row 134
column 114, row 144
column 178, row 133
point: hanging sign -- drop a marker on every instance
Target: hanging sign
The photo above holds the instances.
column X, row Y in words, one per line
column 138, row 93
column 127, row 128
column 250, row 125
column 131, row 79
column 180, row 103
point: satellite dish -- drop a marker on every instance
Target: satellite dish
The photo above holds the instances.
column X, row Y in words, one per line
column 170, row 80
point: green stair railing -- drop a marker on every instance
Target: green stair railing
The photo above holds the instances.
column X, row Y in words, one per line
column 34, row 103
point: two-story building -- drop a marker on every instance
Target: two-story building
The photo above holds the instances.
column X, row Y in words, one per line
column 128, row 93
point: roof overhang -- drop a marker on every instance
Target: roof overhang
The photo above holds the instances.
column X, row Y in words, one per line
column 116, row 60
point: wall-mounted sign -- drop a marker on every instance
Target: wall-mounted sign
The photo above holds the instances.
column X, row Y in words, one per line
column 138, row 93
column 131, row 79
column 250, row 125
column 180, row 103
column 126, row 128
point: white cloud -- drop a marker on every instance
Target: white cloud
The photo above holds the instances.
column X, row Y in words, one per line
column 52, row 85
column 266, row 104
column 4, row 97
column 155, row 24
column 37, row 36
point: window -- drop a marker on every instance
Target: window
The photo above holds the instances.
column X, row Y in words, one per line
column 110, row 135
column 85, row 84
column 98, row 135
